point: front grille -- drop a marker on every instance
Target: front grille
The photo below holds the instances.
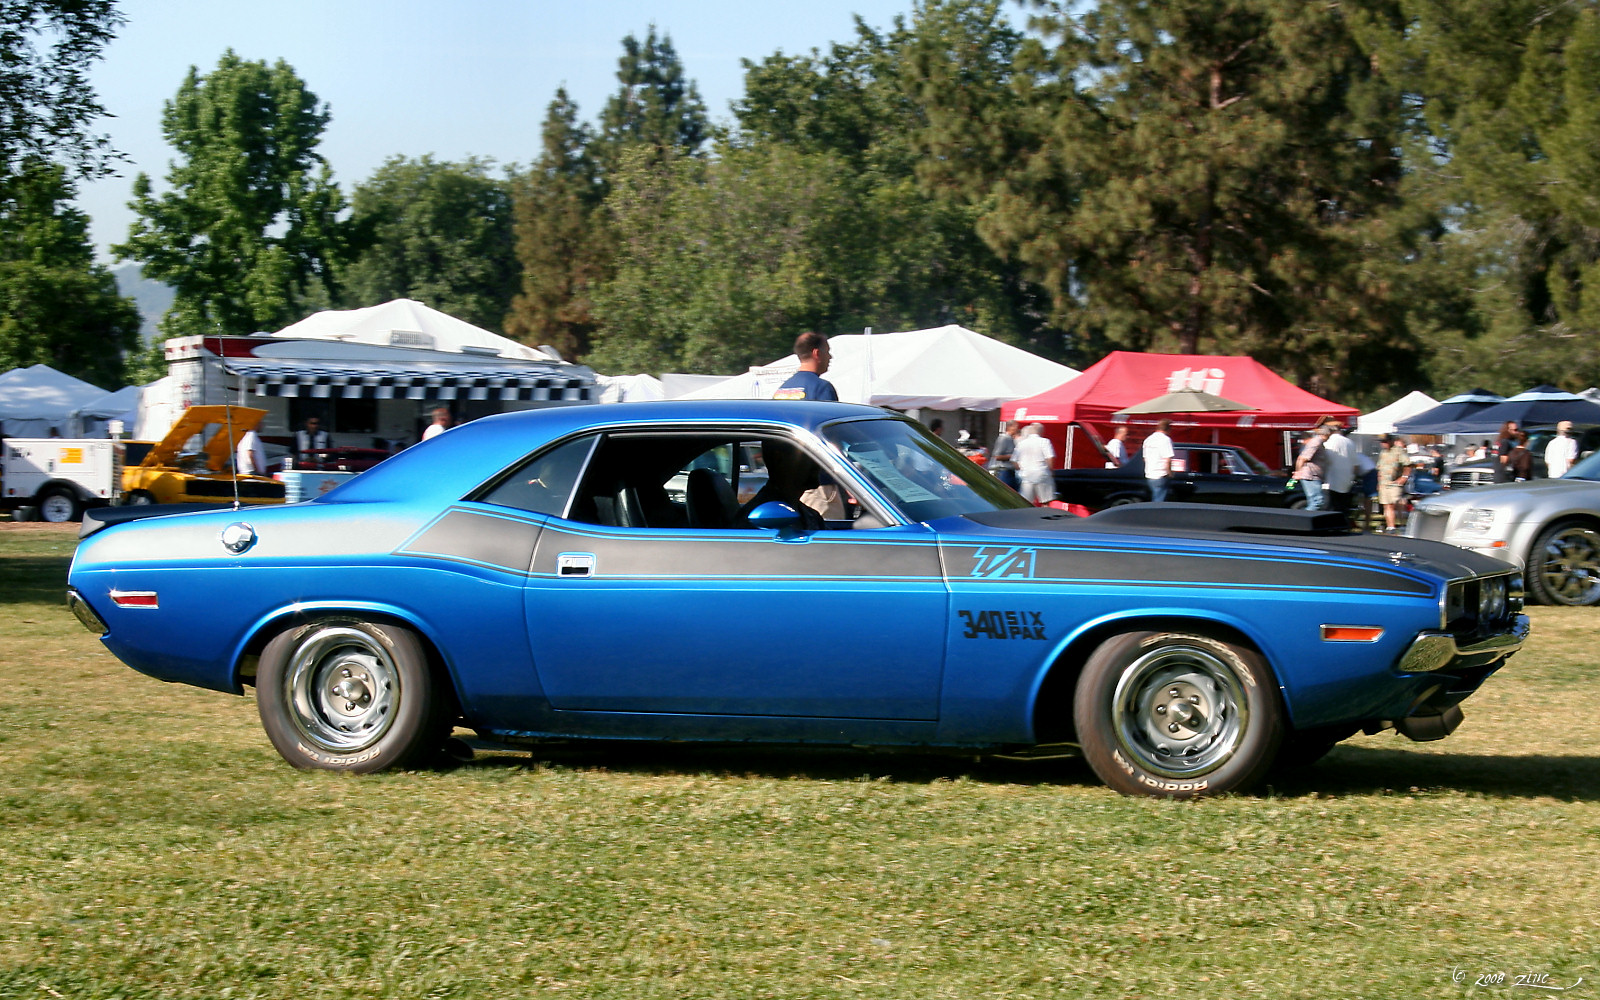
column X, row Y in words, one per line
column 1463, row 478
column 1430, row 524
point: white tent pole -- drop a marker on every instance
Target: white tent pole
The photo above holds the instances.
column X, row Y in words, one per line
column 867, row 332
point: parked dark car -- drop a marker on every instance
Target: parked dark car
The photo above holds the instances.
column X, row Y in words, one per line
column 1202, row 473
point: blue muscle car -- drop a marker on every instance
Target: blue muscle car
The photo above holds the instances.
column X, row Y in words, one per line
column 591, row 572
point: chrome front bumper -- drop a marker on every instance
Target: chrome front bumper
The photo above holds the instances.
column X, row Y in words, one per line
column 1438, row 652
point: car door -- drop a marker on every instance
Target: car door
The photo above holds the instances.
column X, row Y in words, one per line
column 637, row 604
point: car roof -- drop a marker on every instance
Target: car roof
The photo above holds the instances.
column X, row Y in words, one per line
column 449, row 465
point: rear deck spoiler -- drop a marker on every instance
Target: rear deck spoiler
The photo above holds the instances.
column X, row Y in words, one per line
column 96, row 518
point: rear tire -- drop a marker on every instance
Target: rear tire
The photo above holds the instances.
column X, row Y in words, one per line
column 1177, row 715
column 350, row 695
column 59, row 506
column 138, row 498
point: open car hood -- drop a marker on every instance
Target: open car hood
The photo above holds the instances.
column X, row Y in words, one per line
column 194, row 421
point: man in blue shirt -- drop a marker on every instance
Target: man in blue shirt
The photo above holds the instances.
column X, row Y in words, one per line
column 808, row 383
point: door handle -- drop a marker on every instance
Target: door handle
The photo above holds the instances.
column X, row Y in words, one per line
column 575, row 564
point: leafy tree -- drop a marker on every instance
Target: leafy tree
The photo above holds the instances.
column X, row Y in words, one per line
column 249, row 228
column 1198, row 175
column 439, row 233
column 46, row 103
column 562, row 242
column 57, row 306
column 718, row 265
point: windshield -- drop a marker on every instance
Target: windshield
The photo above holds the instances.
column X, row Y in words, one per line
column 924, row 477
column 1588, row 468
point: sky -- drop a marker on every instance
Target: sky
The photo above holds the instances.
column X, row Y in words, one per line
column 413, row 77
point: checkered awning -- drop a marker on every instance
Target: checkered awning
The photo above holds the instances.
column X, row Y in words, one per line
column 390, row 380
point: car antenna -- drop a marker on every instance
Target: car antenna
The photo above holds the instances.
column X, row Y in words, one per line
column 233, row 452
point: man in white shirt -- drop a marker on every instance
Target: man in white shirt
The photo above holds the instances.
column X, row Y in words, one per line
column 1561, row 452
column 1035, row 454
column 1117, row 448
column 1341, row 467
column 441, row 423
column 1158, row 455
column 250, row 459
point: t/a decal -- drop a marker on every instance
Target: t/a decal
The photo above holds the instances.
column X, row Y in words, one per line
column 1003, row 624
column 996, row 563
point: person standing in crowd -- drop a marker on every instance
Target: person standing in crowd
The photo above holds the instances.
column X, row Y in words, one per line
column 1561, row 452
column 1341, row 467
column 1521, row 459
column 311, row 438
column 250, row 458
column 442, row 421
column 1002, row 457
column 1394, row 467
column 1158, row 455
column 1035, row 454
column 1117, row 448
column 808, row 383
column 1503, row 446
column 1366, row 487
column 1311, row 468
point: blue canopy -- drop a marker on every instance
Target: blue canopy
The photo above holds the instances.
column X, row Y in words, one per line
column 1541, row 406
column 1449, row 412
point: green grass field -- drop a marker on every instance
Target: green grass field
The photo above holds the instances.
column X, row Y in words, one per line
column 153, row 845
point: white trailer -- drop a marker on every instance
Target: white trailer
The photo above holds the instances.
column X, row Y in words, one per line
column 60, row 476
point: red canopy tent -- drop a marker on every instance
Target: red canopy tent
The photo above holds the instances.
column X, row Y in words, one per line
column 1123, row 379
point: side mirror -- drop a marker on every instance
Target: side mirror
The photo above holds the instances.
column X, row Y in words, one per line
column 774, row 515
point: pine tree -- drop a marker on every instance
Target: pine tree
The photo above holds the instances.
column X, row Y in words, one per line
column 1196, row 175
column 562, row 242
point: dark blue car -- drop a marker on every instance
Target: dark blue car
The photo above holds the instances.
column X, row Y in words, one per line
column 789, row 572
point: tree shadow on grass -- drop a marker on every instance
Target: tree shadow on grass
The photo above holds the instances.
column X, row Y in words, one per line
column 34, row 579
column 1348, row 771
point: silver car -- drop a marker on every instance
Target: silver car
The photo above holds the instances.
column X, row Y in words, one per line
column 1551, row 527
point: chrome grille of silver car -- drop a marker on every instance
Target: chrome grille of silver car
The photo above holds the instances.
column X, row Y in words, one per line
column 1429, row 524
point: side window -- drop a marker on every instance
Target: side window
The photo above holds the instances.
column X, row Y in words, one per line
column 543, row 484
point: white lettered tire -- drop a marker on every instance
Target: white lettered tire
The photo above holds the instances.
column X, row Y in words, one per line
column 348, row 695
column 1177, row 714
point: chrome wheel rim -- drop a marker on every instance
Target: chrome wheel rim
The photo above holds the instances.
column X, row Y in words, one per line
column 1570, row 566
column 56, row 508
column 342, row 686
column 1180, row 710
column 140, row 499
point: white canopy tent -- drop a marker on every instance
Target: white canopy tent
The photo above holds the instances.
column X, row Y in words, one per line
column 630, row 388
column 36, row 400
column 1382, row 421
column 945, row 368
column 122, row 405
column 408, row 323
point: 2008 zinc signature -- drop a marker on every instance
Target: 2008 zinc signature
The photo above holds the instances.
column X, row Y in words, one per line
column 1535, row 980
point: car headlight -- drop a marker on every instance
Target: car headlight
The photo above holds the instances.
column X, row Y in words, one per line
column 1492, row 599
column 1476, row 519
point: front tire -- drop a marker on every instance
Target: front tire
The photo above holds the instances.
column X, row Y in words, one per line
column 1564, row 565
column 349, row 695
column 1177, row 715
column 139, row 498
